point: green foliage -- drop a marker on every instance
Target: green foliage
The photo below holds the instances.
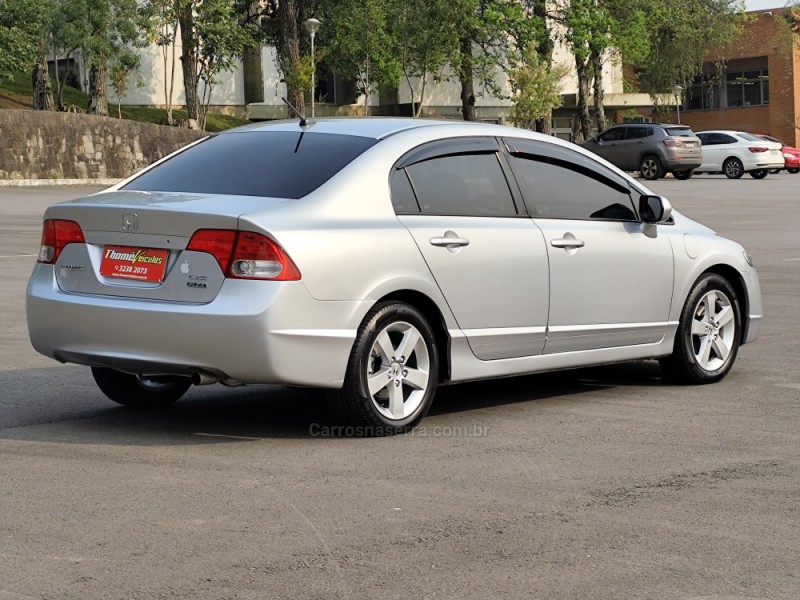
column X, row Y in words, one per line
column 535, row 87
column 358, row 42
column 679, row 40
column 24, row 29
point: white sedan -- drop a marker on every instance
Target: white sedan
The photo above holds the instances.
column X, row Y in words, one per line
column 735, row 153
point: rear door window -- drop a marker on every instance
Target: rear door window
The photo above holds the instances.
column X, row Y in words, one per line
column 279, row 164
column 472, row 185
column 637, row 133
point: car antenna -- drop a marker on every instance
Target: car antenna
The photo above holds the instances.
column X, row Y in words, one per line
column 303, row 120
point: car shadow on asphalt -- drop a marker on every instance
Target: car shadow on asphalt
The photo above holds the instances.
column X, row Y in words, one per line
column 74, row 411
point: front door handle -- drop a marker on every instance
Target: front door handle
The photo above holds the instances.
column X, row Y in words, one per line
column 567, row 242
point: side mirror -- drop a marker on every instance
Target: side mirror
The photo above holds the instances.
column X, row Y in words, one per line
column 654, row 209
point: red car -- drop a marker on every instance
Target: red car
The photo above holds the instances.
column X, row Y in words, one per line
column 790, row 155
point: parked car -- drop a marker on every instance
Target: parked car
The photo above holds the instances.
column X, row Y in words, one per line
column 653, row 149
column 791, row 155
column 735, row 153
column 380, row 258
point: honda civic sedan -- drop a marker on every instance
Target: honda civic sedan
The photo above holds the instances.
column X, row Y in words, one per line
column 379, row 259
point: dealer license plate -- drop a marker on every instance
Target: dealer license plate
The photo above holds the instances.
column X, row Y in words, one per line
column 142, row 264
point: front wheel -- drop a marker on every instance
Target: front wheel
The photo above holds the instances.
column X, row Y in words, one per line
column 758, row 173
column 774, row 171
column 392, row 372
column 733, row 168
column 140, row 392
column 650, row 168
column 793, row 171
column 708, row 335
column 683, row 174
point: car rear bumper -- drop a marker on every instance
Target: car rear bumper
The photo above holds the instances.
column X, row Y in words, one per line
column 253, row 332
column 683, row 163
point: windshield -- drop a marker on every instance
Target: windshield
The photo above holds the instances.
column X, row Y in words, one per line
column 278, row 164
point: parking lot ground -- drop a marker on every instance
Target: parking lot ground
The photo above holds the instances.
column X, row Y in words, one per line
column 603, row 483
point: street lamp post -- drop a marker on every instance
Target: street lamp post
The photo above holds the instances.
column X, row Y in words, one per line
column 312, row 25
column 676, row 91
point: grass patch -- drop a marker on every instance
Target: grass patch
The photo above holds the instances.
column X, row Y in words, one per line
column 20, row 88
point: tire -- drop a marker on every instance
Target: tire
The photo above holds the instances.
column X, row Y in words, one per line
column 733, row 168
column 389, row 386
column 758, row 173
column 650, row 168
column 683, row 174
column 774, row 171
column 137, row 392
column 793, row 171
column 705, row 348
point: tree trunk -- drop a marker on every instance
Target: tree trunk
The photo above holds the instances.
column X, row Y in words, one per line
column 191, row 76
column 467, row 81
column 545, row 50
column 289, row 52
column 599, row 111
column 583, row 68
column 98, row 88
column 42, row 90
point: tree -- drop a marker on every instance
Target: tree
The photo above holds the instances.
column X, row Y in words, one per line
column 213, row 34
column 679, row 40
column 358, row 45
column 18, row 35
column 160, row 24
column 492, row 34
column 535, row 88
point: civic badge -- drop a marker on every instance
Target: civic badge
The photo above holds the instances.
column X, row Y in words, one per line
column 130, row 221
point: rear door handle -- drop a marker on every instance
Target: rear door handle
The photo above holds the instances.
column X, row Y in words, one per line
column 449, row 240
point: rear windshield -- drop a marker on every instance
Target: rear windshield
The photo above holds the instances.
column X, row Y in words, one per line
column 750, row 137
column 680, row 131
column 278, row 164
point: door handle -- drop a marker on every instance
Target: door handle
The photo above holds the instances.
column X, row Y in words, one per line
column 567, row 243
column 449, row 242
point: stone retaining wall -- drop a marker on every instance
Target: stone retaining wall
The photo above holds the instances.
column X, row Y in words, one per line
column 50, row 145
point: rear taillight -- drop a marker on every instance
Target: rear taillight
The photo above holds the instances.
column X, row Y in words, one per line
column 245, row 254
column 758, row 149
column 673, row 142
column 57, row 233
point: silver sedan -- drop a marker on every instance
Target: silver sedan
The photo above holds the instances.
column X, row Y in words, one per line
column 379, row 259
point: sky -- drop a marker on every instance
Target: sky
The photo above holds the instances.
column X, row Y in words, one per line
column 764, row 4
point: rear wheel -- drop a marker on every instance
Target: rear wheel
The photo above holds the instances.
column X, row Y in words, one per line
column 733, row 168
column 758, row 173
column 392, row 372
column 774, row 171
column 140, row 392
column 650, row 168
column 683, row 174
column 708, row 336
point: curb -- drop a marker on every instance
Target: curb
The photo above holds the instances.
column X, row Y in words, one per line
column 56, row 182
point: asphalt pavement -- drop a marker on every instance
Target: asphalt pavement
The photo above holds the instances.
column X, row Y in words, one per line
column 603, row 483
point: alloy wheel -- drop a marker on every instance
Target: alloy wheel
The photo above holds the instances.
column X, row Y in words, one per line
column 713, row 330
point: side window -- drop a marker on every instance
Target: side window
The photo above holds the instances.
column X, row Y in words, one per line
column 470, row 185
column 727, row 139
column 403, row 198
column 612, row 135
column 705, row 139
column 559, row 190
column 636, row 133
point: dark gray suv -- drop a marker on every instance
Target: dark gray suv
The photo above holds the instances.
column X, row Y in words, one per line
column 653, row 149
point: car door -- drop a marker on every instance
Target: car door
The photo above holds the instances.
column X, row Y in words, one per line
column 611, row 276
column 715, row 149
column 487, row 257
column 631, row 147
column 607, row 144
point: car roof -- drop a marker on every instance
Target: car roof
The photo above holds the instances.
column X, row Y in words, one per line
column 370, row 127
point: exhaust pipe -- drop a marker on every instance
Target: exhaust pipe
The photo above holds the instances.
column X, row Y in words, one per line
column 206, row 378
